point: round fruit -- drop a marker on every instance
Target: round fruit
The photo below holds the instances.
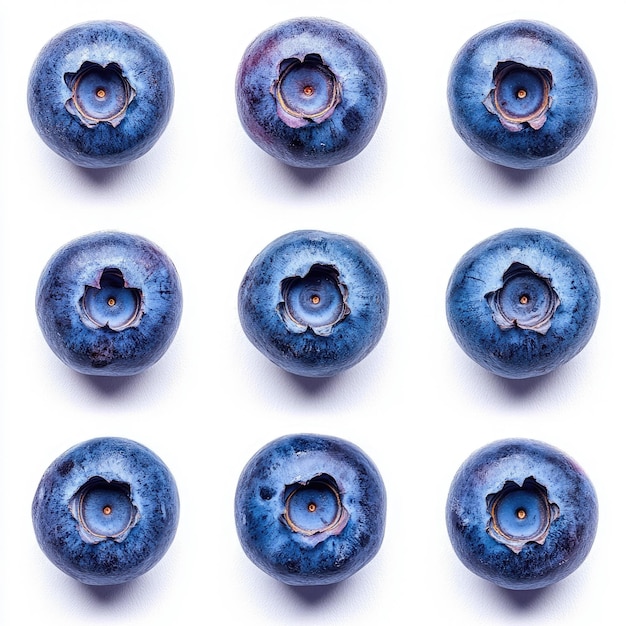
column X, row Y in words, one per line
column 101, row 93
column 109, row 303
column 314, row 303
column 522, row 94
column 310, row 509
column 106, row 511
column 522, row 302
column 521, row 514
column 310, row 92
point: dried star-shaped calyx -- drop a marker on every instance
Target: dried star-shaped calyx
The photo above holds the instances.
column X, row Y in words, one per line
column 525, row 300
column 306, row 91
column 317, row 301
column 104, row 509
column 520, row 96
column 520, row 514
column 111, row 302
column 314, row 509
column 99, row 94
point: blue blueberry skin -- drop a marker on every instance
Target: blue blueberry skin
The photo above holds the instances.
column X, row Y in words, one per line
column 522, row 302
column 101, row 93
column 521, row 514
column 314, row 303
column 522, row 94
column 310, row 509
column 106, row 511
column 109, row 303
column 310, row 92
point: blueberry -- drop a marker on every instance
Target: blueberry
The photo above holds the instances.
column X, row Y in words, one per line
column 109, row 303
column 521, row 514
column 310, row 92
column 310, row 509
column 522, row 94
column 522, row 302
column 106, row 511
column 101, row 93
column 314, row 303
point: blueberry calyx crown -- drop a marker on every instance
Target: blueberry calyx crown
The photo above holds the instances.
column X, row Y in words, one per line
column 104, row 510
column 99, row 94
column 526, row 300
column 111, row 302
column 314, row 509
column 520, row 514
column 520, row 96
column 316, row 301
column 306, row 91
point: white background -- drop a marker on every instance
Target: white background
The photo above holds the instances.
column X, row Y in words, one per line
column 418, row 198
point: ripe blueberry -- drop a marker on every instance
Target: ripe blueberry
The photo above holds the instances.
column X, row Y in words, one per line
column 106, row 511
column 522, row 94
column 522, row 302
column 310, row 92
column 101, row 93
column 521, row 514
column 310, row 509
column 314, row 303
column 109, row 303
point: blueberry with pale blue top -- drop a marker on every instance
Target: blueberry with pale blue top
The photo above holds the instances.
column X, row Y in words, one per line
column 106, row 511
column 314, row 303
column 521, row 514
column 101, row 93
column 522, row 302
column 310, row 509
column 109, row 303
column 310, row 92
column 522, row 94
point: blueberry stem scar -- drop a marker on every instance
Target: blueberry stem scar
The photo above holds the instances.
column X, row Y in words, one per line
column 317, row 301
column 98, row 94
column 104, row 510
column 306, row 91
column 525, row 300
column 111, row 302
column 520, row 96
column 520, row 514
column 325, row 500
